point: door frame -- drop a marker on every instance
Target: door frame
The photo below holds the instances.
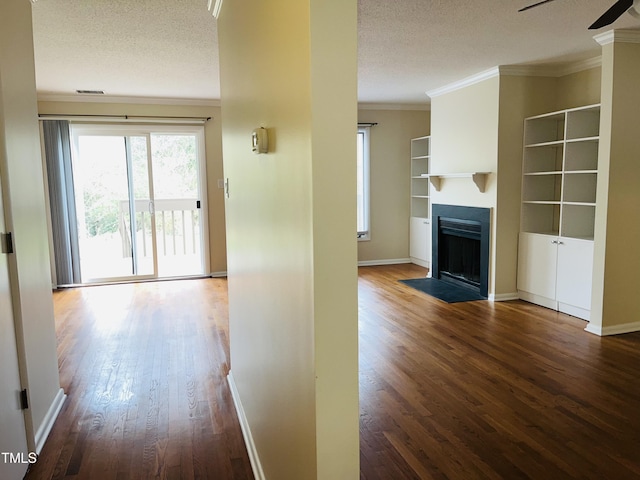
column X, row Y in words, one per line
column 18, row 432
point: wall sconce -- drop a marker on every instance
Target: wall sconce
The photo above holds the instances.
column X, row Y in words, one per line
column 260, row 140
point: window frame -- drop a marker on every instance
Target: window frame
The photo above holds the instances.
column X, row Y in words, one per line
column 363, row 142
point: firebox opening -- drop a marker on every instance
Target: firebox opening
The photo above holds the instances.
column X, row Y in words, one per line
column 459, row 251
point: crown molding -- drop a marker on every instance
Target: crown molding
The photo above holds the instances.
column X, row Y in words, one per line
column 190, row 102
column 579, row 66
column 620, row 36
column 465, row 82
column 394, row 106
column 556, row 70
column 523, row 71
column 528, row 70
column 215, row 6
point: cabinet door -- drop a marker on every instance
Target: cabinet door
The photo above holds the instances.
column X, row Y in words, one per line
column 575, row 271
column 537, row 262
column 420, row 239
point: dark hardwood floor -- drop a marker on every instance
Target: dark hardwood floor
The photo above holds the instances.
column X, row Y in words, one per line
column 475, row 390
column 503, row 390
column 144, row 367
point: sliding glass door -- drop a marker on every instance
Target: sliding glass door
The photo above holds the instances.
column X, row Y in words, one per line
column 114, row 205
column 138, row 198
column 177, row 204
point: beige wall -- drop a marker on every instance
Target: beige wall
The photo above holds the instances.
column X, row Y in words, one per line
column 390, row 143
column 578, row 89
column 520, row 97
column 213, row 147
column 617, row 229
column 22, row 176
column 290, row 231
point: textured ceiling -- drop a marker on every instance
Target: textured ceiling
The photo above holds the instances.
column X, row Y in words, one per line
column 168, row 48
column 147, row 48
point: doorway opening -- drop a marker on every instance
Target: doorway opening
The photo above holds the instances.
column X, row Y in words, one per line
column 140, row 202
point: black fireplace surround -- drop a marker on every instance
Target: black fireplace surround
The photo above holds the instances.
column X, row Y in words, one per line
column 461, row 246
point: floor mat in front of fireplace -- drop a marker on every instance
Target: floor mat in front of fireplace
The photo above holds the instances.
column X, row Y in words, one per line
column 445, row 291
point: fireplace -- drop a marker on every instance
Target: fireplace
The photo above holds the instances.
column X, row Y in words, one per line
column 461, row 246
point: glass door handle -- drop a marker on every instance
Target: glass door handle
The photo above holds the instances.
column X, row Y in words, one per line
column 152, row 208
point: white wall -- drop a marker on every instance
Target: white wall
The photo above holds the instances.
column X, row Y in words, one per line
column 23, row 187
column 291, row 231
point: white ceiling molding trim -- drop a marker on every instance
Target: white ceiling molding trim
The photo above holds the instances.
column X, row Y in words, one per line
column 465, row 82
column 189, row 102
column 532, row 70
column 214, row 6
column 622, row 36
column 557, row 70
column 528, row 70
column 394, row 106
column 580, row 66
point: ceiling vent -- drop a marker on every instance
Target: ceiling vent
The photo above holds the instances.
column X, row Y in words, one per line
column 90, row 92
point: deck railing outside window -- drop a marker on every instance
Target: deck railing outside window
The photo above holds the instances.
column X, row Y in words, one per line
column 177, row 226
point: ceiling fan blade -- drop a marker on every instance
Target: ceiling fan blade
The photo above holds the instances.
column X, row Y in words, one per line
column 535, row 5
column 611, row 15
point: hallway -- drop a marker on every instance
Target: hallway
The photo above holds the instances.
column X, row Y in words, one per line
column 144, row 368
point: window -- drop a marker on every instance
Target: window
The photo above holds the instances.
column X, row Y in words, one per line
column 363, row 183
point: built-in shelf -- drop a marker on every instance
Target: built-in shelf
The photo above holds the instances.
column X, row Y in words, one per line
column 560, row 171
column 420, row 158
column 419, row 224
column 479, row 178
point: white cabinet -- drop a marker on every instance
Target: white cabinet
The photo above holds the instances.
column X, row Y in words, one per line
column 537, row 264
column 556, row 272
column 575, row 272
column 559, row 177
column 419, row 225
column 420, row 241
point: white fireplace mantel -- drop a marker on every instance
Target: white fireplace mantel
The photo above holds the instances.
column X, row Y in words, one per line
column 479, row 178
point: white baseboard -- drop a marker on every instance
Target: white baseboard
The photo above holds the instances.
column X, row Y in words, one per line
column 503, row 297
column 582, row 313
column 614, row 329
column 218, row 274
column 538, row 300
column 49, row 419
column 422, row 263
column 256, row 466
column 388, row 261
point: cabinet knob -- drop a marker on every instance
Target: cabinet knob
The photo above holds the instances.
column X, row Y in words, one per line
column 555, row 242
